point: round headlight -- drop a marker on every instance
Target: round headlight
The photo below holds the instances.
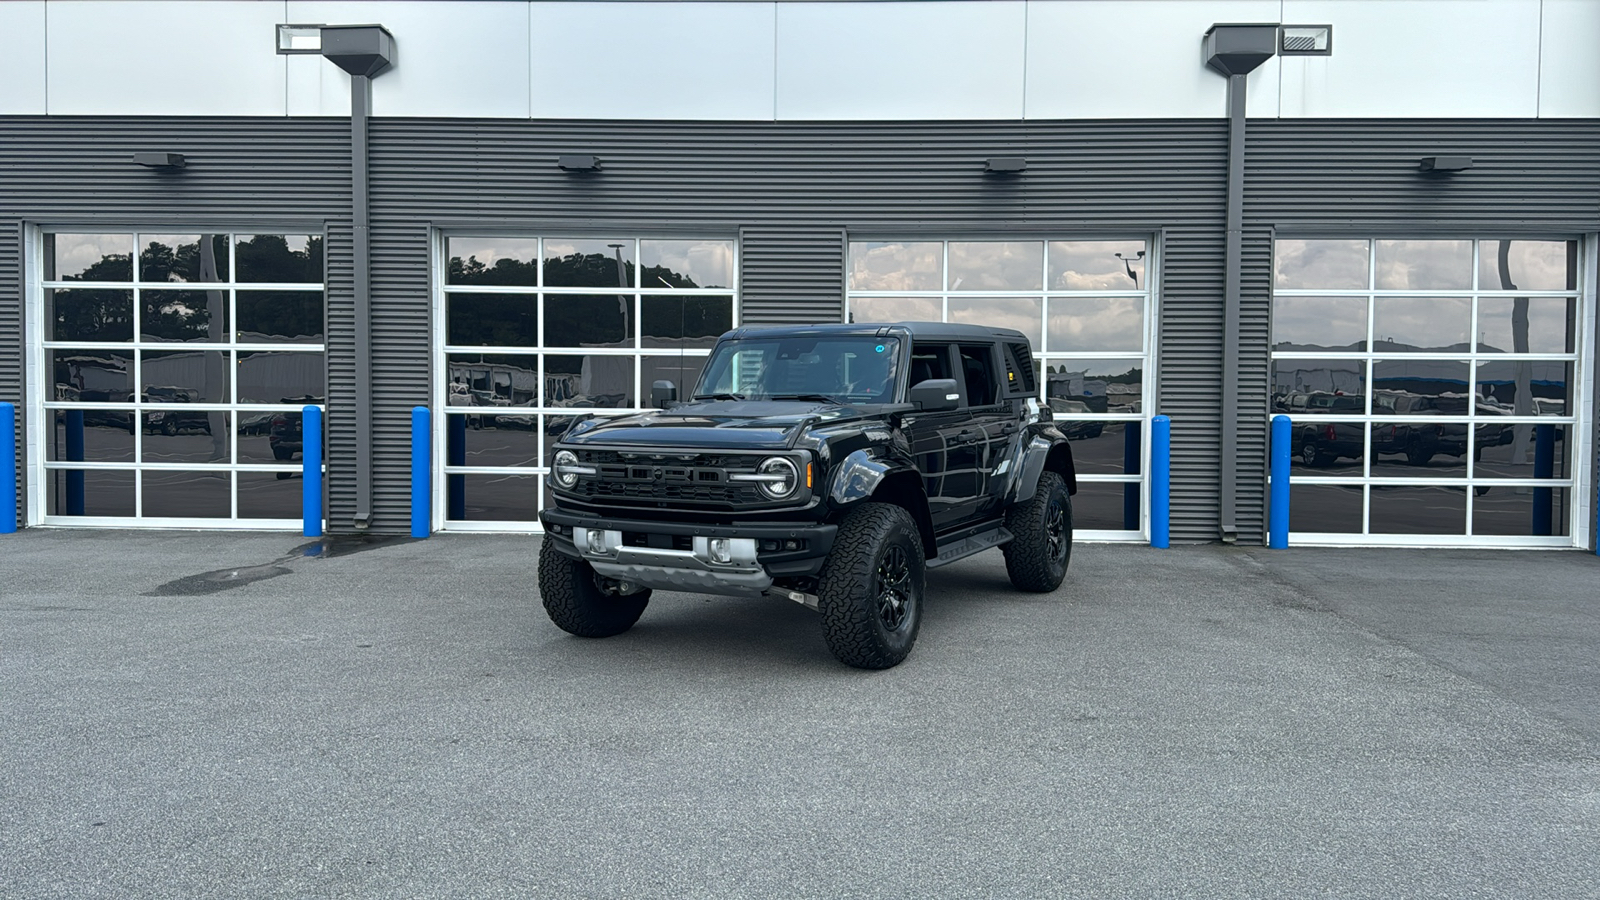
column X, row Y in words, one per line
column 564, row 468
column 781, row 477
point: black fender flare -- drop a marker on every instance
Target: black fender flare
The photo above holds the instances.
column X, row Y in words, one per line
column 1043, row 453
column 860, row 476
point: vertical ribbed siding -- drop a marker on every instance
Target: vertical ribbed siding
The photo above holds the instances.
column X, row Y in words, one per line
column 241, row 172
column 340, row 421
column 11, row 345
column 400, row 360
column 1191, row 373
column 791, row 276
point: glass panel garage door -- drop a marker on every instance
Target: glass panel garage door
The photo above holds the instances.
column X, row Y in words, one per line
column 534, row 331
column 1434, row 389
column 1086, row 309
column 169, row 371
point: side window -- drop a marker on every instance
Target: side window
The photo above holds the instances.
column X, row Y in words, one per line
column 929, row 361
column 977, row 364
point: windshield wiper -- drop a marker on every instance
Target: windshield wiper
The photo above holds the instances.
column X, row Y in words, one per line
column 719, row 396
column 820, row 397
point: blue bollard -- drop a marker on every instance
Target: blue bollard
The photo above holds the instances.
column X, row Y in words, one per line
column 8, row 469
column 1161, row 482
column 421, row 470
column 74, row 453
column 1278, row 508
column 311, row 470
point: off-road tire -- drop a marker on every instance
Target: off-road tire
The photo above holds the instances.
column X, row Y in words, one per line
column 871, row 587
column 1417, row 454
column 575, row 602
column 1031, row 561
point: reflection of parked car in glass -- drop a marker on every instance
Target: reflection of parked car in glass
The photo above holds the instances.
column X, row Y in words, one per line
column 119, row 419
column 171, row 423
column 1066, row 415
column 285, row 434
column 1324, row 443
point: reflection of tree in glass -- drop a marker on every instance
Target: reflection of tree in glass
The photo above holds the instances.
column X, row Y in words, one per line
column 505, row 271
column 161, row 263
column 269, row 258
column 661, row 276
column 280, row 315
column 92, row 315
column 588, row 270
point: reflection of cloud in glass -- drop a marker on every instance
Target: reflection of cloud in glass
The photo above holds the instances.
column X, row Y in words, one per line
column 706, row 263
column 895, row 266
column 1096, row 324
column 1021, row 313
column 1319, row 323
column 1093, row 265
column 1549, row 321
column 1421, row 323
column 75, row 253
column 895, row 309
column 1320, row 265
column 1533, row 265
column 996, row 265
column 1424, row 265
column 487, row 250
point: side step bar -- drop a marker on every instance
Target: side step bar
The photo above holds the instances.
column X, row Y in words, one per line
column 962, row 548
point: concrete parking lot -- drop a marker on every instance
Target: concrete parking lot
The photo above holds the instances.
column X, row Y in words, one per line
column 188, row 714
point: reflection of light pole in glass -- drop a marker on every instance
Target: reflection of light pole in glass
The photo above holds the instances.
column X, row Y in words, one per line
column 622, row 281
column 1127, row 263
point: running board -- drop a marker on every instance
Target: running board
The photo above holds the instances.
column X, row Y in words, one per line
column 965, row 547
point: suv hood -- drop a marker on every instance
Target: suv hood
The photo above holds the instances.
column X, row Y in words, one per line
column 722, row 424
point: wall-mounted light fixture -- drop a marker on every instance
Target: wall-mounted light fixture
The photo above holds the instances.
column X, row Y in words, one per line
column 160, row 160
column 299, row 39
column 1305, row 40
column 1444, row 165
column 1005, row 165
column 578, row 163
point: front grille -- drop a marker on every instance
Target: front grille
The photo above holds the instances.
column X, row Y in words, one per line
column 689, row 478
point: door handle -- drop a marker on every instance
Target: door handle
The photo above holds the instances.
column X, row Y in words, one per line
column 968, row 437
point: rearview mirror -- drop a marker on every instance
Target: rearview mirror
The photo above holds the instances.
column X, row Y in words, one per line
column 936, row 395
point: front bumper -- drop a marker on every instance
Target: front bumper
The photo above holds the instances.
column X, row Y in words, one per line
column 673, row 556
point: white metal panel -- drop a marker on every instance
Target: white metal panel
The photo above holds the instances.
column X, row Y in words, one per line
column 164, row 57
column 1118, row 60
column 1569, row 66
column 318, row 87
column 955, row 60
column 1426, row 58
column 22, row 65
column 462, row 58
column 652, row 60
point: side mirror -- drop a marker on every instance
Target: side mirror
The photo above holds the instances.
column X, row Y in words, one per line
column 936, row 395
column 663, row 395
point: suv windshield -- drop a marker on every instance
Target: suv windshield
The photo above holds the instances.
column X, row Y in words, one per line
column 846, row 369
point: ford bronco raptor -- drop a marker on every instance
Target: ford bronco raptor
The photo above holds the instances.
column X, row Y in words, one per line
column 828, row 465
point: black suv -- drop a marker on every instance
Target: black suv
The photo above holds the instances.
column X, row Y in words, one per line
column 828, row 465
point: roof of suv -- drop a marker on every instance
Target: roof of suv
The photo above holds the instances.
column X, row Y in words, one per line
column 941, row 330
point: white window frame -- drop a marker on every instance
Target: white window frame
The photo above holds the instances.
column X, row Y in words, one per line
column 1579, row 422
column 41, row 412
column 1150, row 293
column 440, row 352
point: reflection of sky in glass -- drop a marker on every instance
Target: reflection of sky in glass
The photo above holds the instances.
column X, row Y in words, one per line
column 1093, row 266
column 1319, row 323
column 487, row 250
column 76, row 252
column 1096, row 324
column 1531, row 265
column 1424, row 265
column 1421, row 323
column 555, row 248
column 707, row 263
column 1021, row 313
column 1347, row 376
column 895, row 266
column 1548, row 324
column 895, row 309
column 996, row 265
column 1320, row 265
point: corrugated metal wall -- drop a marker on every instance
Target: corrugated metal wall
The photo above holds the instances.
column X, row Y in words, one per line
column 792, row 191
column 241, row 172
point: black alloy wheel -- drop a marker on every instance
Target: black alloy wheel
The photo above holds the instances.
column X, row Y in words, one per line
column 893, row 587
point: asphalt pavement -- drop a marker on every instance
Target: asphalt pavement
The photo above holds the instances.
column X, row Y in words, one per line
column 204, row 714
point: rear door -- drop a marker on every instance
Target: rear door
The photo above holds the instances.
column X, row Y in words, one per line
column 990, row 429
column 938, row 440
